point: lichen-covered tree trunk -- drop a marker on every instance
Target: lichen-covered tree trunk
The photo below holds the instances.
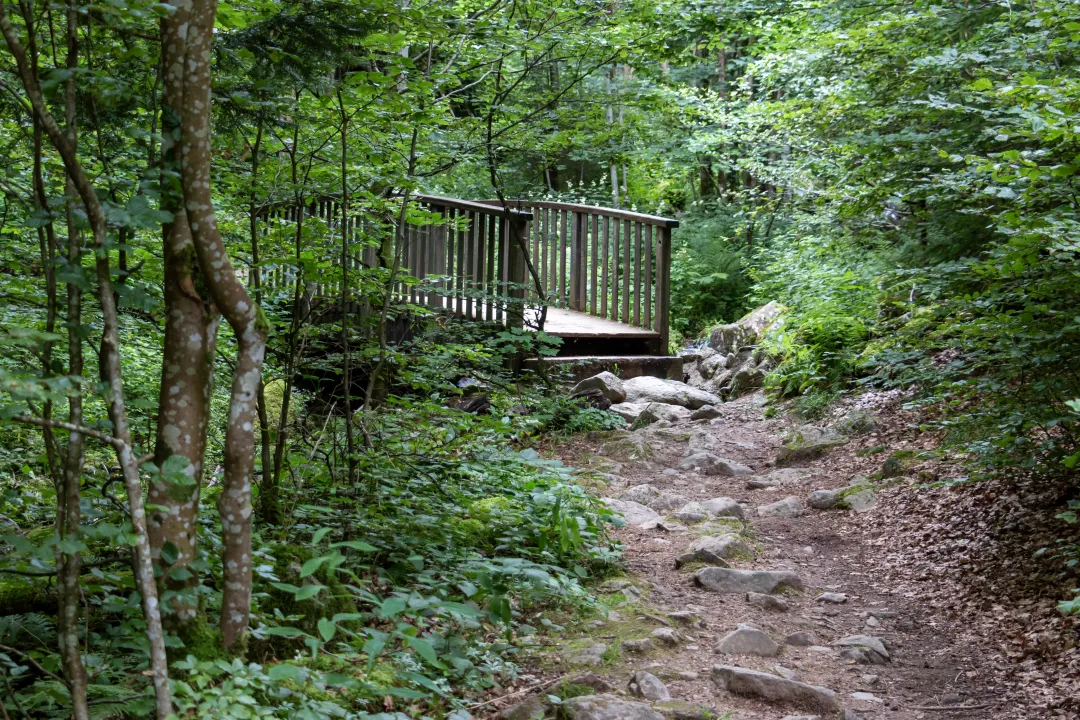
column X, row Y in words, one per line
column 238, row 309
column 187, row 367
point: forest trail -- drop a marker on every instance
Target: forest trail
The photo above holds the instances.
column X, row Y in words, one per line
column 931, row 671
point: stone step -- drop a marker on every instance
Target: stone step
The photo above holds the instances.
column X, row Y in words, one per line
column 625, row 366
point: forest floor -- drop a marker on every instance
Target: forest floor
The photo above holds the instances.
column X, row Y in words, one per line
column 912, row 569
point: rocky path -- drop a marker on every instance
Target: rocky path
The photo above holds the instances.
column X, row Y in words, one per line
column 742, row 600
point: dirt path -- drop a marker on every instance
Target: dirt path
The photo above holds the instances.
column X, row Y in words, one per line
column 932, row 673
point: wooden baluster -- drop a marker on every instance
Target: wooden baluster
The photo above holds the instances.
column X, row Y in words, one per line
column 451, row 254
column 593, row 262
column 535, row 255
column 515, row 268
column 628, row 241
column 469, row 276
column 563, row 295
column 616, row 263
column 637, row 274
column 491, row 288
column 553, row 239
column 648, row 292
column 459, row 277
column 605, row 288
column 663, row 286
column 574, row 219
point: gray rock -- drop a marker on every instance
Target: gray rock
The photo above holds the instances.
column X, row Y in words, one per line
column 666, row 636
column 856, row 422
column 832, row 598
column 591, row 655
column 685, row 617
column 633, row 513
column 752, row 683
column 820, row 649
column 800, row 639
column 649, row 687
column 710, row 464
column 610, row 386
column 705, row 412
column 679, row 710
column 652, row 497
column 643, row 645
column 767, row 602
column 747, row 640
column 745, row 380
column 628, row 411
column 712, row 549
column 534, row 707
column 780, row 477
column 823, row 499
column 647, row 389
column 801, row 717
column 592, row 680
column 807, row 442
column 786, row 673
column 870, row 642
column 659, row 412
column 724, row 507
column 729, row 580
column 789, row 507
column 691, row 512
column 861, row 500
column 712, row 365
column 866, row 697
column 607, row 707
column 747, row 331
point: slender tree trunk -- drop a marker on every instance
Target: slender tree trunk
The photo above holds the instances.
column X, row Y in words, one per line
column 109, row 364
column 187, row 367
column 242, row 314
column 269, row 509
column 346, row 369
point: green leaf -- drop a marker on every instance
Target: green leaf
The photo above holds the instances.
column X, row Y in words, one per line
column 285, row 671
column 424, row 649
column 319, row 535
column 307, row 592
column 327, row 628
column 286, row 632
column 355, row 545
column 312, row 565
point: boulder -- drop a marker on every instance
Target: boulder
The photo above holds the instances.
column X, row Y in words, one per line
column 747, row 640
column 808, row 442
column 724, row 507
column 534, row 707
column 642, row 645
column 747, row 331
column 781, row 477
column 651, row 497
column 691, row 512
column 648, row 389
column 789, row 507
column 705, row 412
column 856, row 422
column 590, row 655
column 712, row 550
column 709, row 464
column 861, row 499
column 712, row 365
column 666, row 636
column 744, row 381
column 686, row 617
column 800, row 639
column 867, row 642
column 607, row 707
column 633, row 513
column 659, row 412
column 680, row 710
column 774, row 689
column 609, row 386
column 729, row 580
column 823, row 499
column 767, row 602
column 648, row 687
column 628, row 411
column 832, row 598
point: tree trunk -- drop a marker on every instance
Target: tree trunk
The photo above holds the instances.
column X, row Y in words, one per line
column 242, row 314
column 346, row 370
column 109, row 364
column 187, row 367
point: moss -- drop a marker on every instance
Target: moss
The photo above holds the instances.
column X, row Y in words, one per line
column 334, row 599
column 899, row 463
column 25, row 595
column 490, row 508
column 572, row 690
column 201, row 639
column 469, row 532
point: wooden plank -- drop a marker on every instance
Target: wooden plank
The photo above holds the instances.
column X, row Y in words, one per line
column 575, row 260
column 604, row 289
column 471, row 206
column 563, row 219
column 637, row 274
column 609, row 212
column 459, row 276
column 648, row 292
column 627, row 242
column 663, row 287
column 616, row 227
column 468, row 276
column 451, row 254
column 592, row 264
column 490, row 289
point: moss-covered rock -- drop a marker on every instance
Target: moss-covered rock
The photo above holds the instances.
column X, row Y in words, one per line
column 899, row 463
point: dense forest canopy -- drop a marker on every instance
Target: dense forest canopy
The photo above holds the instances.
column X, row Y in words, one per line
column 215, row 493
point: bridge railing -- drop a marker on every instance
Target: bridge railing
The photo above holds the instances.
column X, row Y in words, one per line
column 608, row 263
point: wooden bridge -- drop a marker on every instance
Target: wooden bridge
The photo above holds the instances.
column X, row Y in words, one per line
column 602, row 274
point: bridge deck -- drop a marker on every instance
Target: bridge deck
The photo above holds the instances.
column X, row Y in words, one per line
column 569, row 323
